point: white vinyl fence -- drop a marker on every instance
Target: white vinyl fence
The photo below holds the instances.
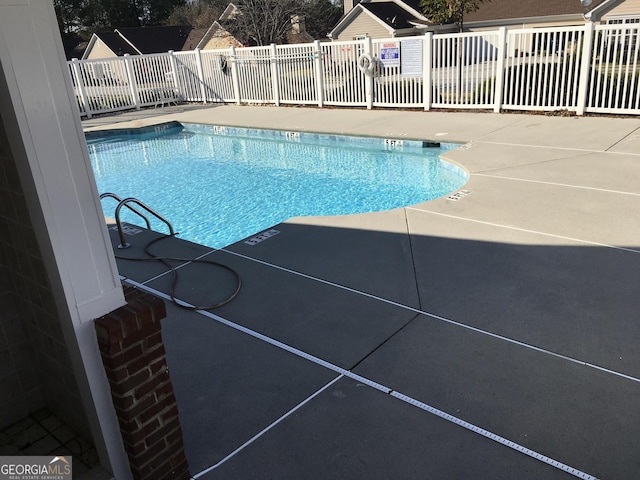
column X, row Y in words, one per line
column 590, row 68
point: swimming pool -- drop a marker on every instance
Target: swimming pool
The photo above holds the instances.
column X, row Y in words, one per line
column 218, row 185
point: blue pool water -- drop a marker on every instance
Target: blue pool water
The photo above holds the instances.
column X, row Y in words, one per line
column 219, row 185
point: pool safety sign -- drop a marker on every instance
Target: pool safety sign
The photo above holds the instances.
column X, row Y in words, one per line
column 412, row 58
column 390, row 54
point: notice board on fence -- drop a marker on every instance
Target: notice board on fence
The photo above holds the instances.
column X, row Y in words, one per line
column 411, row 60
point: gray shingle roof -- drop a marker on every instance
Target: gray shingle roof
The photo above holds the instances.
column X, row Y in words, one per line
column 157, row 39
column 390, row 13
column 507, row 9
column 116, row 43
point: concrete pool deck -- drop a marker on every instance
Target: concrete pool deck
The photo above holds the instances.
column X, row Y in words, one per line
column 490, row 334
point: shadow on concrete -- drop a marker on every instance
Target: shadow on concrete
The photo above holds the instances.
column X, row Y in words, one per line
column 529, row 339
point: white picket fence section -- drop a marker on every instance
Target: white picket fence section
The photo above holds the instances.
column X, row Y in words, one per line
column 590, row 68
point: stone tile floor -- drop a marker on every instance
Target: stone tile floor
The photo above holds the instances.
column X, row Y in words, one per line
column 43, row 433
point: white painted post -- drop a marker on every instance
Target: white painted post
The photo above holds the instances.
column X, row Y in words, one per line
column 319, row 73
column 174, row 69
column 234, row 75
column 133, row 87
column 47, row 144
column 79, row 83
column 498, row 85
column 585, row 67
column 275, row 85
column 368, row 48
column 427, row 75
column 203, row 87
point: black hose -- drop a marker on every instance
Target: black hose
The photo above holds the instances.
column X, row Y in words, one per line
column 174, row 272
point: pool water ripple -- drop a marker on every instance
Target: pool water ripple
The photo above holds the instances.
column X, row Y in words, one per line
column 221, row 185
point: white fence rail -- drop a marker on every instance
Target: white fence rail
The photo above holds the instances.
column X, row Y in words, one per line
column 590, row 68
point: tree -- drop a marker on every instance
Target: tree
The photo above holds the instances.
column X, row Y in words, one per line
column 107, row 15
column 85, row 17
column 449, row 11
column 197, row 14
column 263, row 21
column 156, row 12
column 320, row 16
column 67, row 15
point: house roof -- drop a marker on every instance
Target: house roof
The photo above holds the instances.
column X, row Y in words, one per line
column 194, row 39
column 156, row 39
column 415, row 4
column 215, row 30
column 74, row 46
column 492, row 11
column 394, row 15
column 510, row 9
column 391, row 14
column 115, row 42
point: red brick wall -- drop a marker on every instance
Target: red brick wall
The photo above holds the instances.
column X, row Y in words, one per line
column 134, row 358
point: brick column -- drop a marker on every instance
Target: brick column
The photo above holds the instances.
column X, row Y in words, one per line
column 134, row 358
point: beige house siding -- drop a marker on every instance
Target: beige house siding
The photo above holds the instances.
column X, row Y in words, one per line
column 364, row 24
column 100, row 50
column 629, row 8
column 514, row 26
column 540, row 22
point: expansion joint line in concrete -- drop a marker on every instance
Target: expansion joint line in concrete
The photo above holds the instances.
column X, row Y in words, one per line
column 413, row 263
column 443, row 319
column 555, row 184
column 265, row 430
column 526, row 230
column 365, row 381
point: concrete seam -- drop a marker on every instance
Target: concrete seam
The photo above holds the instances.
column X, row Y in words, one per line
column 365, row 381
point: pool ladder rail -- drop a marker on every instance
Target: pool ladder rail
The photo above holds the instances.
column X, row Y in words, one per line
column 126, row 203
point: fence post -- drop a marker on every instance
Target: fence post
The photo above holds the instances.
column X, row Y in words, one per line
column 135, row 363
column 234, row 75
column 368, row 79
column 498, row 87
column 131, row 77
column 585, row 67
column 319, row 72
column 275, row 85
column 79, row 83
column 427, row 71
column 200, row 69
column 174, row 69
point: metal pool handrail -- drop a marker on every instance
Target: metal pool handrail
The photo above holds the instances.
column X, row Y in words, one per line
column 119, row 199
column 126, row 202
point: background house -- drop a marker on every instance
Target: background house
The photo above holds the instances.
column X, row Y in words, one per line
column 137, row 41
column 616, row 12
column 386, row 19
column 215, row 37
column 146, row 40
column 380, row 19
column 529, row 14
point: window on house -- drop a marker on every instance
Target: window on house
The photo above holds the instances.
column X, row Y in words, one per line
column 627, row 35
column 360, row 48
